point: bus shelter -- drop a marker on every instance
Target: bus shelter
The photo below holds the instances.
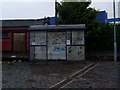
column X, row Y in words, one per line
column 57, row 42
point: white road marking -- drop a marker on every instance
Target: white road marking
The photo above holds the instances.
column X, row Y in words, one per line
column 88, row 70
column 58, row 83
column 80, row 74
column 80, row 70
column 82, row 78
column 67, row 83
column 75, row 74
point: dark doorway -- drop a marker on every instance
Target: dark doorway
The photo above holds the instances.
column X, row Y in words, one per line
column 19, row 42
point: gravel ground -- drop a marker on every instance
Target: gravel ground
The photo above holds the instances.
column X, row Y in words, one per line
column 46, row 74
column 38, row 74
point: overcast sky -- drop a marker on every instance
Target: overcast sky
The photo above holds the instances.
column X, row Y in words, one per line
column 22, row 9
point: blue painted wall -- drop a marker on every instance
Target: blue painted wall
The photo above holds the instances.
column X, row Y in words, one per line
column 52, row 20
column 102, row 16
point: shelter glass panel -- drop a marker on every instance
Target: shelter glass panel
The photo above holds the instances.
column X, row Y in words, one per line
column 77, row 37
column 75, row 53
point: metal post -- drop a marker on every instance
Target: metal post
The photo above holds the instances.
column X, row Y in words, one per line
column 115, row 44
column 55, row 12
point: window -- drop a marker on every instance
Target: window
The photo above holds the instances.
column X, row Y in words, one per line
column 4, row 35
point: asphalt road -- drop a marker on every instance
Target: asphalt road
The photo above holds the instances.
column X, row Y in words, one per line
column 104, row 75
column 0, row 75
column 47, row 74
